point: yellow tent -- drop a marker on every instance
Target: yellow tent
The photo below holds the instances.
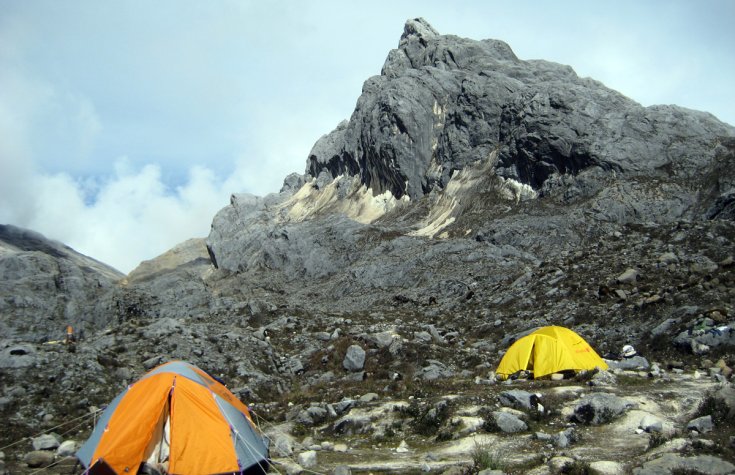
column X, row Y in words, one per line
column 549, row 350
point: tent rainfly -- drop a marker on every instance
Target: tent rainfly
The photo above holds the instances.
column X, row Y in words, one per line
column 176, row 419
column 549, row 350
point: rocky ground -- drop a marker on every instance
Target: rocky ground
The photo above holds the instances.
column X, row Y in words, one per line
column 417, row 391
column 362, row 310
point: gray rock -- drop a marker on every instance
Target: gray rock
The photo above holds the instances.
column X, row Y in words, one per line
column 46, row 442
column 507, row 422
column 369, row 397
column 38, row 458
column 664, row 327
column 671, row 463
column 606, row 467
column 701, row 424
column 354, row 358
column 344, row 406
column 342, row 470
column 604, row 378
column 651, row 423
column 518, row 399
column 283, row 444
column 632, row 363
column 67, row 448
column 382, row 339
column 724, row 400
column 600, row 408
column 317, row 414
column 435, row 370
column 151, row 363
column 566, row 438
column 307, row 459
column 422, row 336
column 352, row 424
column 46, row 286
column 435, row 335
column 18, row 356
column 628, row 277
column 163, row 328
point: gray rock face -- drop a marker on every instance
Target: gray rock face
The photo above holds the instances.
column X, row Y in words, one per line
column 600, row 408
column 46, row 286
column 312, row 249
column 442, row 102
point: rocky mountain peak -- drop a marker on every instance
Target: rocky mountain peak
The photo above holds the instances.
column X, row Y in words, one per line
column 419, row 28
column 442, row 103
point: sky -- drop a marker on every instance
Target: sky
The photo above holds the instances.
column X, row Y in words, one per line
column 126, row 125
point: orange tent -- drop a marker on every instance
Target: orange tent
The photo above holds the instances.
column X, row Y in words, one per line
column 178, row 420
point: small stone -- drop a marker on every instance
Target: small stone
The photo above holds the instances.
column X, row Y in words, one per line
column 402, row 447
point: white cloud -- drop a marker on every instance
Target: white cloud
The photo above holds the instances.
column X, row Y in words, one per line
column 134, row 216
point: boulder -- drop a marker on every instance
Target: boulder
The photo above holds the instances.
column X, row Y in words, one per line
column 46, row 442
column 283, row 444
column 435, row 370
column 565, row 438
column 506, row 422
column 604, row 378
column 67, row 448
column 369, row 397
column 651, row 423
column 676, row 463
column 701, row 424
column 342, row 470
column 354, row 358
column 519, row 399
column 38, row 458
column 724, row 402
column 352, row 424
column 628, row 277
column 606, row 467
column 307, row 459
column 631, row 364
column 600, row 408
